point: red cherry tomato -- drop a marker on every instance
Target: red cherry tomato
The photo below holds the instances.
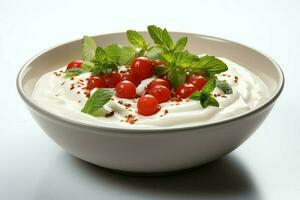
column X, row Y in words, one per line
column 157, row 63
column 159, row 81
column 161, row 93
column 142, row 67
column 197, row 81
column 125, row 89
column 185, row 90
column 112, row 79
column 147, row 105
column 131, row 77
column 75, row 64
column 95, row 82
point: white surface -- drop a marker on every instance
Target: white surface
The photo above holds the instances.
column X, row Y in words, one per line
column 267, row 166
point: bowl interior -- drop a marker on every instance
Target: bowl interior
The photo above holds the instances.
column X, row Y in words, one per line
column 56, row 57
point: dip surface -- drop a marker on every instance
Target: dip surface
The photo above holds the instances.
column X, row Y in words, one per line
column 66, row 97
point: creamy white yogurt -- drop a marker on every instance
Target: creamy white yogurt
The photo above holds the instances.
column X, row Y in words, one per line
column 65, row 97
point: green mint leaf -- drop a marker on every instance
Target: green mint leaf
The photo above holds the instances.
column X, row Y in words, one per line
column 97, row 100
column 167, row 58
column 105, row 69
column 154, row 52
column 88, row 48
column 224, row 86
column 87, row 66
column 185, row 58
column 74, row 72
column 213, row 101
column 120, row 55
column 167, row 40
column 100, row 55
column 136, row 39
column 176, row 76
column 195, row 96
column 156, row 34
column 210, row 85
column 160, row 70
column 208, row 64
column 180, row 44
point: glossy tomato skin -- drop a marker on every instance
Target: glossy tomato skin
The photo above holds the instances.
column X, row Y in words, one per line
column 185, row 90
column 125, row 89
column 142, row 67
column 112, row 79
column 157, row 63
column 95, row 82
column 147, row 105
column 129, row 76
column 159, row 81
column 75, row 64
column 161, row 93
column 197, row 81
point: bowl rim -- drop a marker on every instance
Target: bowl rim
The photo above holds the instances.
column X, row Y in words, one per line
column 138, row 130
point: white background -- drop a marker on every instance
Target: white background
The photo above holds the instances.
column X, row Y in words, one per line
column 267, row 166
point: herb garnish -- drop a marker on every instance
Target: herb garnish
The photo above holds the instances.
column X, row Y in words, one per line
column 97, row 100
column 224, row 86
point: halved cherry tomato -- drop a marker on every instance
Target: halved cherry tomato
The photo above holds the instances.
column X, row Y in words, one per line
column 185, row 90
column 161, row 93
column 125, row 89
column 75, row 64
column 112, row 79
column 142, row 67
column 159, row 81
column 147, row 105
column 197, row 81
column 95, row 82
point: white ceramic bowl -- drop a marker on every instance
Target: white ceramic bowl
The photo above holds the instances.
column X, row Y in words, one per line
column 151, row 151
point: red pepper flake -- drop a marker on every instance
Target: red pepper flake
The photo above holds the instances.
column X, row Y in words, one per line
column 72, row 78
column 56, row 74
column 57, row 95
column 110, row 114
column 215, row 95
column 62, row 83
column 78, row 92
column 79, row 101
column 235, row 80
column 224, row 96
column 127, row 105
column 72, row 87
column 219, row 95
column 224, row 74
column 81, row 80
column 130, row 119
column 87, row 93
column 61, row 71
column 228, row 75
column 120, row 102
column 165, row 112
column 235, row 77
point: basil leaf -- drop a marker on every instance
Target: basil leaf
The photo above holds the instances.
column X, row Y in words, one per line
column 154, row 52
column 167, row 58
column 87, row 66
column 120, row 55
column 136, row 39
column 185, row 58
column 100, row 55
column 180, row 44
column 105, row 69
column 88, row 48
column 73, row 72
column 208, row 64
column 156, row 34
column 167, row 40
column 160, row 70
column 176, row 76
column 224, row 86
column 97, row 100
column 210, row 86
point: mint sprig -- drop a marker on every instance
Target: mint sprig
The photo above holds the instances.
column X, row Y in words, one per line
column 224, row 86
column 136, row 39
column 73, row 72
column 97, row 101
column 205, row 95
column 88, row 48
